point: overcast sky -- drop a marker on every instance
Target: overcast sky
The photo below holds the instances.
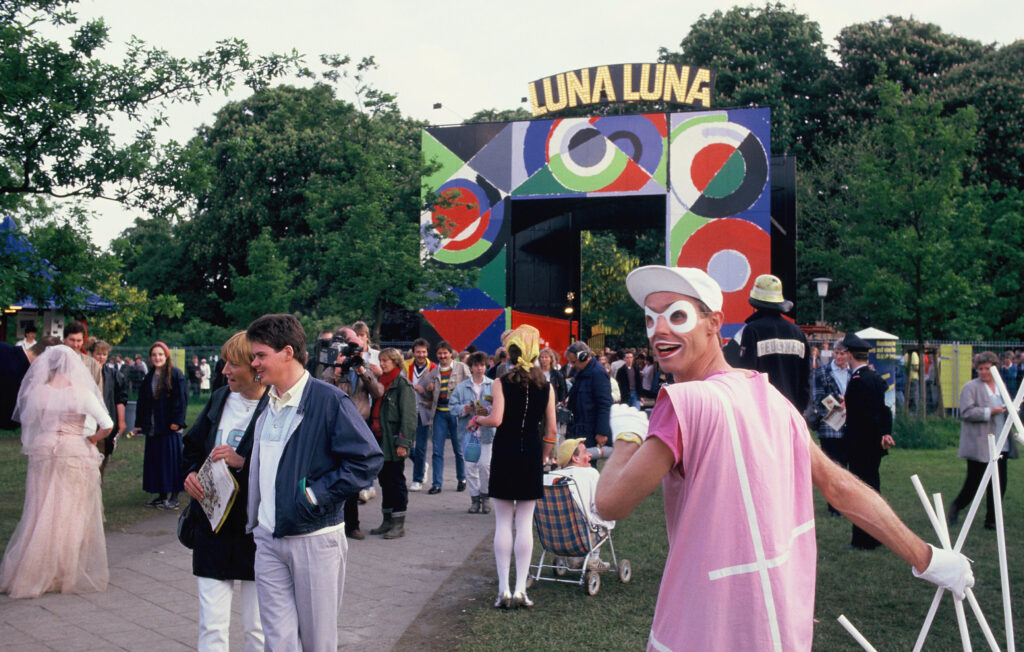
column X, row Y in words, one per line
column 470, row 55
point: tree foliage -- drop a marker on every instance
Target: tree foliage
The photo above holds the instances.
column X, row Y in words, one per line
column 912, row 228
column 912, row 54
column 326, row 191
column 59, row 101
column 268, row 286
column 604, row 300
column 60, row 264
column 765, row 56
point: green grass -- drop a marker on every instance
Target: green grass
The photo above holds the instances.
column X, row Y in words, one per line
column 123, row 497
column 933, row 432
column 875, row 590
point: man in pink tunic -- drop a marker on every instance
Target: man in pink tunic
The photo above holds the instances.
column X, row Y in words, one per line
column 737, row 464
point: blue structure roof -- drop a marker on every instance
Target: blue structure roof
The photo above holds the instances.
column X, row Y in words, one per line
column 14, row 242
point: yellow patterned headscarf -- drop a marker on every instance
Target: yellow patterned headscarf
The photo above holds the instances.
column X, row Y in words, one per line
column 527, row 339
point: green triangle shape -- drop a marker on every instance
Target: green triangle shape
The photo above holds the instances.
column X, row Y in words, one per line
column 541, row 183
column 449, row 164
column 662, row 172
column 493, row 277
column 728, row 178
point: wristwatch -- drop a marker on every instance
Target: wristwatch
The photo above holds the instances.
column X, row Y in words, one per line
column 630, row 437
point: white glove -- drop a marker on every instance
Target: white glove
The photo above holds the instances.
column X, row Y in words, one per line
column 949, row 570
column 624, row 418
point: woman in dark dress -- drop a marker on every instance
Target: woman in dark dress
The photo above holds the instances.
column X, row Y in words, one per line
column 224, row 431
column 160, row 415
column 524, row 415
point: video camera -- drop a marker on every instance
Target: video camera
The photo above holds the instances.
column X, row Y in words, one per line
column 331, row 349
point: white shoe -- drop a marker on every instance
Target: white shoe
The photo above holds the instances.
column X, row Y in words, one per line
column 416, row 486
column 365, row 495
column 598, row 564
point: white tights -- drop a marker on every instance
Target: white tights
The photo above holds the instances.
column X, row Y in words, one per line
column 504, row 513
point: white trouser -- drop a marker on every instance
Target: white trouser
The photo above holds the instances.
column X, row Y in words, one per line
column 478, row 474
column 215, row 615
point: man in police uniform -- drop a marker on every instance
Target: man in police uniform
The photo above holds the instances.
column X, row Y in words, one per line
column 772, row 344
column 868, row 425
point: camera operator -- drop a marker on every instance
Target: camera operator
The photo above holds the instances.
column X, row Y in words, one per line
column 371, row 355
column 350, row 373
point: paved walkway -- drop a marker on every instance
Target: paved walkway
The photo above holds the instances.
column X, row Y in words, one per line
column 151, row 602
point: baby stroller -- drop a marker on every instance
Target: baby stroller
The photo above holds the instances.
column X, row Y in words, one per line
column 564, row 532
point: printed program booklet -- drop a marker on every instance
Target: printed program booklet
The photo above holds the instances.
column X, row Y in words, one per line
column 219, row 491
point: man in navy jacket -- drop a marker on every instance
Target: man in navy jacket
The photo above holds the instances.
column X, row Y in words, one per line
column 311, row 451
column 590, row 398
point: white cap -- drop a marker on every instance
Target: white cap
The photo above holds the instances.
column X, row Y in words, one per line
column 688, row 281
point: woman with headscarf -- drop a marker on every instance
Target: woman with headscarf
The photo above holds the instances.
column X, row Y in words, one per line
column 224, row 431
column 523, row 404
column 58, row 544
column 160, row 414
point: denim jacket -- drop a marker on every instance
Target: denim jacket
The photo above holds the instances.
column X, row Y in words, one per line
column 463, row 396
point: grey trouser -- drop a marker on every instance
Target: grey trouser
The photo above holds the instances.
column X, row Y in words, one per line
column 300, row 582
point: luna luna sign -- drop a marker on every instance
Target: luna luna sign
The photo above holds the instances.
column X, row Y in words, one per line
column 623, row 82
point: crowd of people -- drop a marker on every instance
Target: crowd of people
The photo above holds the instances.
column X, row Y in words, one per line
column 305, row 437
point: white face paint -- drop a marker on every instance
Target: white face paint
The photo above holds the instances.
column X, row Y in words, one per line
column 681, row 317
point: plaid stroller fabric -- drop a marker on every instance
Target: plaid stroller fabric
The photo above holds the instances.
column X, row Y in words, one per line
column 561, row 526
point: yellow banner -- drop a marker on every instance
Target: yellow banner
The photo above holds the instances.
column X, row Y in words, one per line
column 954, row 371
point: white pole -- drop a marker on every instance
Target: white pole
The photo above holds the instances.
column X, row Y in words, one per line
column 1004, row 575
column 1008, row 400
column 958, row 605
column 942, row 532
column 857, row 636
column 928, row 619
column 916, row 481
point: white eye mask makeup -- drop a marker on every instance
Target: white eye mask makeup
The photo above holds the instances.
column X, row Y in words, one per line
column 681, row 317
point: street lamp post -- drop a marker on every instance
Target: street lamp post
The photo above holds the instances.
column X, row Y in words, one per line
column 569, row 296
column 822, row 284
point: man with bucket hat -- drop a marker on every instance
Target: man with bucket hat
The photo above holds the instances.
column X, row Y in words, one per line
column 772, row 344
column 736, row 464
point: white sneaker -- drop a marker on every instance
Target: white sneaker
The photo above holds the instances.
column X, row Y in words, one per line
column 416, row 486
column 364, row 496
column 598, row 564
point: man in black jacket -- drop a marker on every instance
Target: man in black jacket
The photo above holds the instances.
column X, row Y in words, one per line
column 772, row 344
column 628, row 378
column 868, row 426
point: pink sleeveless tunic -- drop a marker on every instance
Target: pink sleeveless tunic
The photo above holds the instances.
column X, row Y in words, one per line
column 742, row 553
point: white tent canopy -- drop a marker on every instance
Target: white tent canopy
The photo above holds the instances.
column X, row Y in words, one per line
column 872, row 333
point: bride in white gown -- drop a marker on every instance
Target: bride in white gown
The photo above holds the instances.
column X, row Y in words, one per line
column 59, row 545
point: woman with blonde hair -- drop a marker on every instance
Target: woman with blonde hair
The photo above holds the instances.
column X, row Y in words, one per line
column 393, row 423
column 524, row 414
column 224, row 430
